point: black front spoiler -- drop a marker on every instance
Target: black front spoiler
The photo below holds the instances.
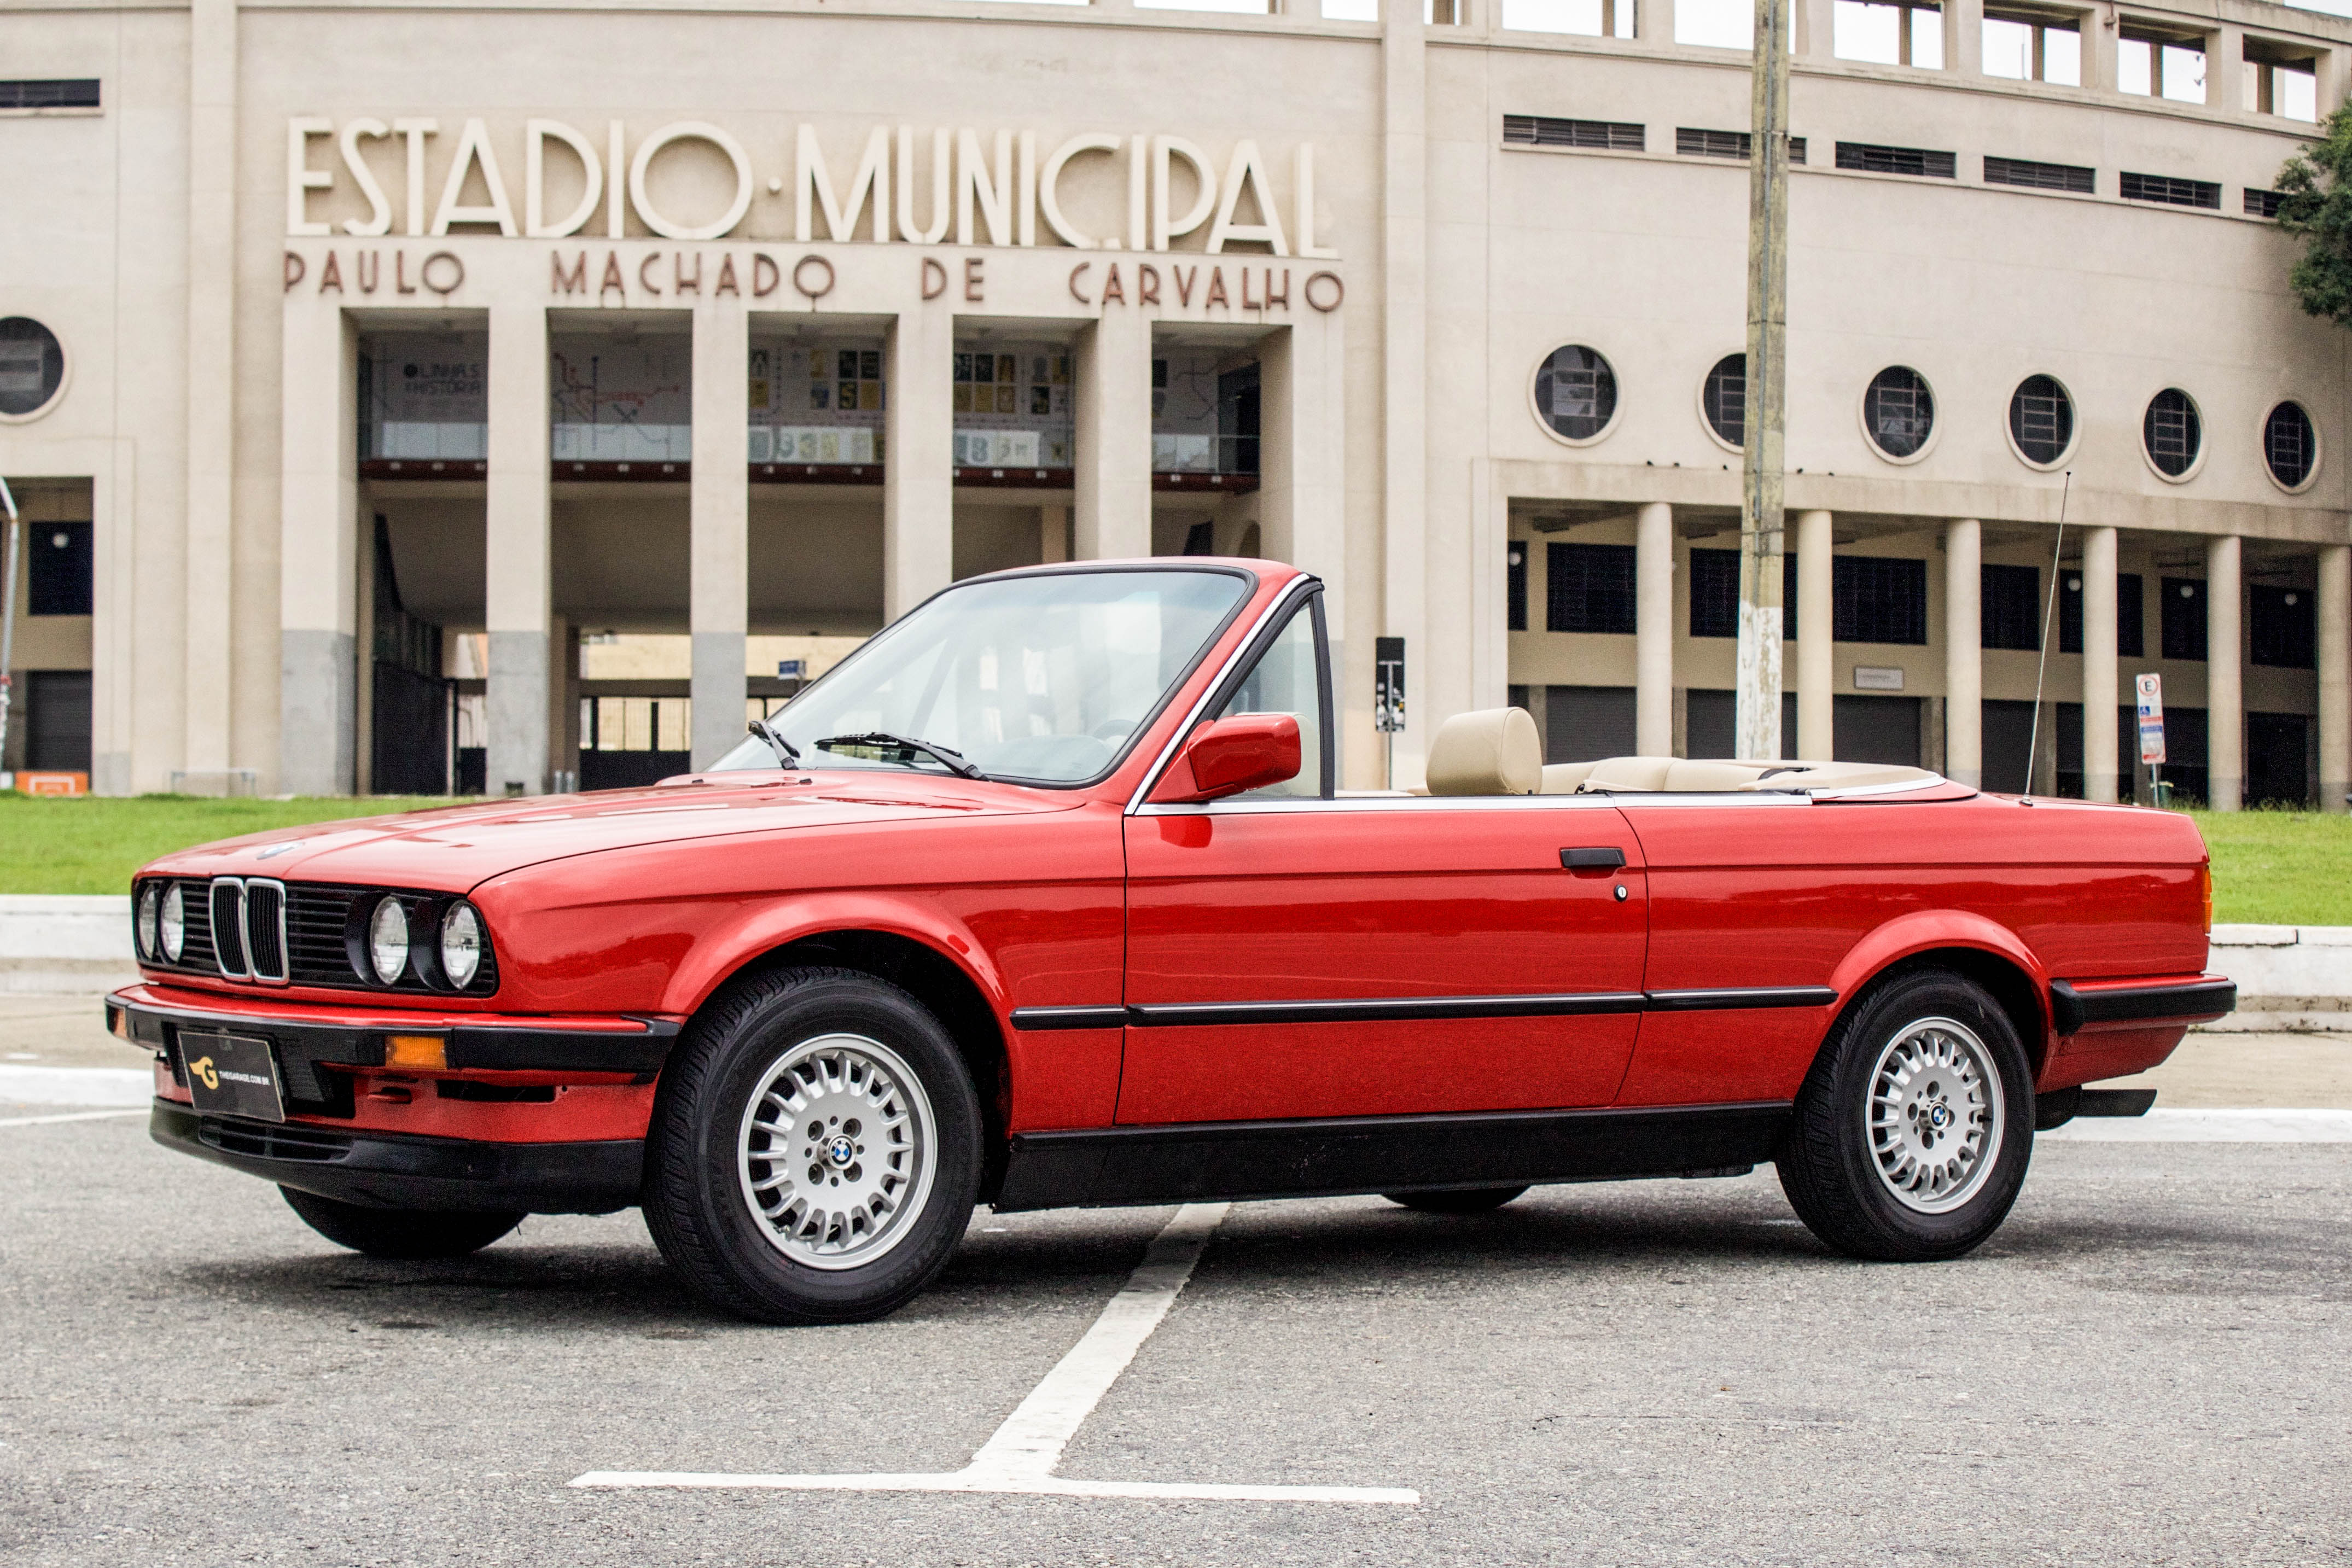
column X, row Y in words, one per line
column 392, row 1170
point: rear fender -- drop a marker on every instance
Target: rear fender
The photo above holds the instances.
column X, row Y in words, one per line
column 1927, row 930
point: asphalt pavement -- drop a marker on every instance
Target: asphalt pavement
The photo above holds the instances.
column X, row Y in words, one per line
column 2148, row 1363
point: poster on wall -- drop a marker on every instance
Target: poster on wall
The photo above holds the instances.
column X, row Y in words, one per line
column 619, row 400
column 820, row 404
column 424, row 395
column 1011, row 406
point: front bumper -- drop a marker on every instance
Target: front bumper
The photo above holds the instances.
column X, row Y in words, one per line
column 392, row 1170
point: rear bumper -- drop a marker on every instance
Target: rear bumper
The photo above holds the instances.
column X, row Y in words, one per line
column 390, row 1170
column 2074, row 1007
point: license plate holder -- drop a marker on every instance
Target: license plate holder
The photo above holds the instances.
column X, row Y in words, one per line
column 233, row 1075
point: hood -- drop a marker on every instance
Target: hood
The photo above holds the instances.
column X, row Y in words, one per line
column 454, row 849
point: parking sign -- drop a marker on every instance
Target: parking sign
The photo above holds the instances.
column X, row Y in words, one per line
column 2151, row 719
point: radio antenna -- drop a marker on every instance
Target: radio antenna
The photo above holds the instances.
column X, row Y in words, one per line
column 2041, row 665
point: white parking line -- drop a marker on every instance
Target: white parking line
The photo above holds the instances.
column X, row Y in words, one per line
column 2279, row 1126
column 1023, row 1454
column 70, row 1116
column 22, row 1085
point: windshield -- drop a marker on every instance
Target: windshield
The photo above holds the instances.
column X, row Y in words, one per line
column 1039, row 678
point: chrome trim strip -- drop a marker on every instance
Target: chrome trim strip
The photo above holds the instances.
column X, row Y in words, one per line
column 1740, row 998
column 1299, row 586
column 285, row 958
column 244, row 970
column 1450, row 803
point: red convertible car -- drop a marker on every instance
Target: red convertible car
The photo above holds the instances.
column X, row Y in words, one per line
column 1047, row 896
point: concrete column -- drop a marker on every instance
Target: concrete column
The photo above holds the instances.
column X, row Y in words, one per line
column 2225, row 71
column 2099, row 37
column 518, row 553
column 918, row 464
column 1405, row 368
column 207, row 667
column 2225, row 706
column 1053, row 534
column 1113, row 431
column 1816, row 649
column 1964, row 37
column 1302, row 465
column 2334, row 612
column 1654, row 631
column 719, row 521
column 1964, row 652
column 318, row 553
column 1654, row 22
column 1814, row 34
column 2099, row 753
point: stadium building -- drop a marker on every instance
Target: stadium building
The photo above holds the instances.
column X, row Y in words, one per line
column 454, row 397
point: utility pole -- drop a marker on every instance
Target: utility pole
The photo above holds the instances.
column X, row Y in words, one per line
column 1762, row 457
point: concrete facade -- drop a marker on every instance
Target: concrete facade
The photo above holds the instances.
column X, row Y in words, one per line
column 1353, row 225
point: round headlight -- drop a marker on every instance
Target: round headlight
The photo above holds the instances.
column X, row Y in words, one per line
column 143, row 933
column 388, row 940
column 461, row 944
column 175, row 922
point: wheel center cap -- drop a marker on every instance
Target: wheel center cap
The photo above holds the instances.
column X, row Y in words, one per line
column 840, row 1150
column 1939, row 1115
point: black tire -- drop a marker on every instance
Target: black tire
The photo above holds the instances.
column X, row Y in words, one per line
column 787, row 1264
column 1460, row 1200
column 1830, row 1165
column 399, row 1232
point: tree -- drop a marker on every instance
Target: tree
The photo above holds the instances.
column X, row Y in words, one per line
column 2316, row 207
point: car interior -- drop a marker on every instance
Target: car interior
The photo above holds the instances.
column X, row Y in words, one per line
column 1496, row 751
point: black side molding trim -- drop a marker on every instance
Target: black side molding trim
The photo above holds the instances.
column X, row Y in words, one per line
column 565, row 1050
column 1037, row 1019
column 1332, row 1156
column 1742, row 999
column 2071, row 1009
column 1377, row 1010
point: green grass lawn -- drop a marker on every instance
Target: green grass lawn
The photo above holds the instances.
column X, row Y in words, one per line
column 2271, row 868
column 92, row 845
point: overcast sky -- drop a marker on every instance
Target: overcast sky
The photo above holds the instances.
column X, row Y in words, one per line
column 2333, row 7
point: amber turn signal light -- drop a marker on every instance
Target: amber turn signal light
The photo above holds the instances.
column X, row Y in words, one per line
column 416, row 1050
column 2205, row 877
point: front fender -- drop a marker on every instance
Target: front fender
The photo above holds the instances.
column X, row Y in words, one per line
column 755, row 930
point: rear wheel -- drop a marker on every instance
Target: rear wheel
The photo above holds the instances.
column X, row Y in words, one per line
column 399, row 1232
column 815, row 1150
column 1461, row 1200
column 1913, row 1131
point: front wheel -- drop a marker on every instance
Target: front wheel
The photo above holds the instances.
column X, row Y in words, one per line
column 1914, row 1129
column 399, row 1232
column 815, row 1150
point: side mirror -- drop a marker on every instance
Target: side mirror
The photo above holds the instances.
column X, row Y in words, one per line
column 1248, row 751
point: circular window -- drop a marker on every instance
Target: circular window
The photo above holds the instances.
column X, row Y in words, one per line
column 1723, row 400
column 32, row 367
column 2171, row 433
column 1575, row 394
column 2289, row 445
column 2041, row 421
column 1898, row 412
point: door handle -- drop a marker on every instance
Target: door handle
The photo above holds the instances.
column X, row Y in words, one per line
column 1609, row 858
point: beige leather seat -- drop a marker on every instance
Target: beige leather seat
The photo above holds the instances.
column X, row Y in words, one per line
column 1677, row 775
column 1493, row 751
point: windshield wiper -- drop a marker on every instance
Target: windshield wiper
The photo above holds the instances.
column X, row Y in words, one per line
column 786, row 753
column 906, row 746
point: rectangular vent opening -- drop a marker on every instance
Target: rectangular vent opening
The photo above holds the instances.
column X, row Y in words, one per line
column 2034, row 176
column 264, row 929
column 1919, row 162
column 1592, row 135
column 228, row 928
column 2263, row 204
column 1692, row 141
column 2171, row 193
column 49, row 92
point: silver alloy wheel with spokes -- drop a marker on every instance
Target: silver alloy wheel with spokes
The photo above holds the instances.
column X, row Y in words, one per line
column 1934, row 1114
column 837, row 1151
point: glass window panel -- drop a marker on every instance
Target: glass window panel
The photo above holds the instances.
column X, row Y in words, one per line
column 2008, row 49
column 1245, row 7
column 2295, row 94
column 2184, row 73
column 1927, row 38
column 1352, row 10
column 1862, row 31
column 2134, row 65
column 1716, row 24
column 2062, row 57
column 1581, row 16
column 1285, row 680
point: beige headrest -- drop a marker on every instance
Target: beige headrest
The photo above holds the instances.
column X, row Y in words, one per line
column 1562, row 777
column 1494, row 751
column 1628, row 773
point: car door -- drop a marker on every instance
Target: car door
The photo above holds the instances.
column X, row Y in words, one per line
column 1299, row 954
